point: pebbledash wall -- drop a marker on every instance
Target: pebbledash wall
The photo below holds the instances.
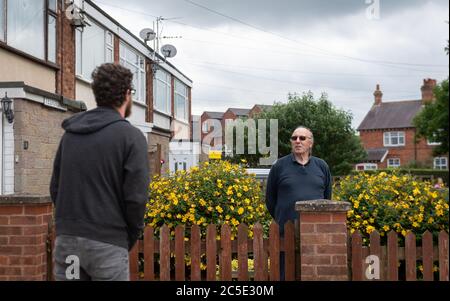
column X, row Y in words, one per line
column 30, row 142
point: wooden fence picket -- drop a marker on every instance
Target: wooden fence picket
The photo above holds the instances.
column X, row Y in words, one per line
column 274, row 252
column 357, row 257
column 258, row 253
column 211, row 252
column 149, row 251
column 242, row 253
column 195, row 253
column 225, row 253
column 427, row 256
column 164, row 254
column 179, row 254
column 443, row 256
column 411, row 257
column 392, row 256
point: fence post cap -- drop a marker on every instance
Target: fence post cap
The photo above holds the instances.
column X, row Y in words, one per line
column 322, row 206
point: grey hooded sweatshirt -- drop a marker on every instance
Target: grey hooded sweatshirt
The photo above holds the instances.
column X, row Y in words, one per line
column 100, row 178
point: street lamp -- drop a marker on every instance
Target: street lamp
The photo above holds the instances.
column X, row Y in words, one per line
column 6, row 108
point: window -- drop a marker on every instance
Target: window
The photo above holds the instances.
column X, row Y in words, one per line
column 25, row 26
column 394, row 138
column 2, row 20
column 51, row 38
column 162, row 92
column 393, row 162
column 181, row 101
column 440, row 163
column 136, row 63
column 367, row 166
column 205, row 127
column 91, row 49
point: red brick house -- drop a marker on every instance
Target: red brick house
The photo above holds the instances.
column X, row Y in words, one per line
column 388, row 134
column 207, row 121
column 257, row 109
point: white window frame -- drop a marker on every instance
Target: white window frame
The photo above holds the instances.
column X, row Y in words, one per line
column 79, row 46
column 388, row 136
column 440, row 166
column 367, row 166
column 395, row 165
column 167, row 82
column 140, row 82
column 186, row 101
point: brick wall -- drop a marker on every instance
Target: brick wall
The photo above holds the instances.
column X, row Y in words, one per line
column 323, row 240
column 40, row 127
column 23, row 237
column 66, row 57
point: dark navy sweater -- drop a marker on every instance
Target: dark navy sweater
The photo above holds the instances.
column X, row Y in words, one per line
column 290, row 182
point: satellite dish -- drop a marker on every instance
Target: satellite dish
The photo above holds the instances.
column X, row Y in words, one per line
column 147, row 34
column 168, row 51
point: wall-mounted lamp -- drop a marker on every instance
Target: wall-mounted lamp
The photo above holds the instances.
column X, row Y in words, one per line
column 6, row 108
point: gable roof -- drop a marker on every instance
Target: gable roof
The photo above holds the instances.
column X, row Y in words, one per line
column 214, row 115
column 391, row 115
column 240, row 112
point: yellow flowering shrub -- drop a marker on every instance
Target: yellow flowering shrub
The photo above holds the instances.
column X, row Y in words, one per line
column 216, row 192
column 390, row 201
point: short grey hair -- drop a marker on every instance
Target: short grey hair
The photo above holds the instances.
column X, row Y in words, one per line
column 304, row 127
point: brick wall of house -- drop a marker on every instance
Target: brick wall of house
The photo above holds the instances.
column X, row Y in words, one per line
column 40, row 127
column 254, row 111
column 421, row 153
column 66, row 58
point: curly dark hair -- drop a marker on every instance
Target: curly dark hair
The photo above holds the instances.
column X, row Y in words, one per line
column 110, row 84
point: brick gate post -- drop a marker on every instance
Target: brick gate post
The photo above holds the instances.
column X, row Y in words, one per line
column 323, row 239
column 23, row 237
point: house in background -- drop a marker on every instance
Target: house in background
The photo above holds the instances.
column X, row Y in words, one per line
column 211, row 131
column 388, row 134
column 258, row 109
column 46, row 61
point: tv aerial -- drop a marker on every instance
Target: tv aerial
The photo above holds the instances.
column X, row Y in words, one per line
column 166, row 51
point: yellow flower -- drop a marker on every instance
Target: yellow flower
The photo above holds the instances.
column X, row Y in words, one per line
column 370, row 229
column 240, row 211
column 219, row 209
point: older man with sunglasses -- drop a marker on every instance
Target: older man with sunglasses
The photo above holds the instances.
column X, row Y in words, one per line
column 296, row 177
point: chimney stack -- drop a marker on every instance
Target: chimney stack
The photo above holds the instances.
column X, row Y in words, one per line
column 427, row 90
column 378, row 95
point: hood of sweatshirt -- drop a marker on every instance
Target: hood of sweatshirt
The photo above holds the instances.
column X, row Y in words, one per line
column 92, row 121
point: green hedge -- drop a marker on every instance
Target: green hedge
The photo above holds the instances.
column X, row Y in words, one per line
column 431, row 174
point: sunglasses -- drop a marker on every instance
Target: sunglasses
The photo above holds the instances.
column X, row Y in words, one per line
column 302, row 138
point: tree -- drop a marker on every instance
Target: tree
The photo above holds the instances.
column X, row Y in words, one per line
column 432, row 121
column 334, row 139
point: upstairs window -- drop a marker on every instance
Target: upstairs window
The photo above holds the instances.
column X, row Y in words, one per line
column 162, row 92
column 92, row 49
column 132, row 60
column 394, row 138
column 181, row 101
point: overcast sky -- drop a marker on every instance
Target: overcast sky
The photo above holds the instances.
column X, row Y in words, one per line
column 244, row 52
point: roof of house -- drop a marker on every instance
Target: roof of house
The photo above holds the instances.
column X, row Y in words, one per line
column 240, row 112
column 265, row 107
column 215, row 115
column 389, row 115
column 376, row 154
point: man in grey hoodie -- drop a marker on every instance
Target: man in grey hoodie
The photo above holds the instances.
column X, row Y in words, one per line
column 99, row 184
